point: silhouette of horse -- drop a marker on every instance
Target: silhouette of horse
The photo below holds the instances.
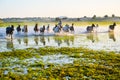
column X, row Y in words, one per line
column 72, row 28
column 57, row 29
column 48, row 28
column 90, row 28
column 36, row 28
column 42, row 29
column 18, row 29
column 9, row 31
column 25, row 29
column 112, row 27
column 66, row 28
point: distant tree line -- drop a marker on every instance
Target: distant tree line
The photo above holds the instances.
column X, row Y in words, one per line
column 63, row 18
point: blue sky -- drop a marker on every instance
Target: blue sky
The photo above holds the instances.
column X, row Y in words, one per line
column 55, row 8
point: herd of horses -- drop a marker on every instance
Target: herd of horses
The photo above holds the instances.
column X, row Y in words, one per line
column 57, row 29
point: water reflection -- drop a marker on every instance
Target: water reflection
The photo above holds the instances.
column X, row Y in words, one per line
column 42, row 40
column 93, row 37
column 58, row 40
column 19, row 40
column 64, row 39
column 25, row 40
column 36, row 39
column 112, row 36
column 10, row 44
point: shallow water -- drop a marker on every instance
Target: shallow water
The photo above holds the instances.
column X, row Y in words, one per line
column 102, row 40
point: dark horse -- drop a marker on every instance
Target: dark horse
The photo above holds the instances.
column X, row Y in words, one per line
column 42, row 29
column 72, row 28
column 90, row 28
column 9, row 31
column 112, row 27
column 36, row 28
column 18, row 28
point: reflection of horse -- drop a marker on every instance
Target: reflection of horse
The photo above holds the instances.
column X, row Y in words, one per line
column 111, row 36
column 9, row 31
column 67, row 41
column 36, row 28
column 111, row 27
column 18, row 29
column 42, row 40
column 19, row 40
column 10, row 44
column 36, row 40
column 58, row 40
column 26, row 41
column 90, row 28
column 92, row 36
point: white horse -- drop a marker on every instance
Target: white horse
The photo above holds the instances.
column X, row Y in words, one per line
column 66, row 28
column 56, row 29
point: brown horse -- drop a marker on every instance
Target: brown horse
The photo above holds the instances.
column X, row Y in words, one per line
column 112, row 27
column 36, row 28
column 72, row 27
column 42, row 29
column 90, row 28
column 18, row 28
column 25, row 29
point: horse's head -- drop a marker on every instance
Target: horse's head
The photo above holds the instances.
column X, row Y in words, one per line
column 114, row 24
column 72, row 24
column 43, row 27
column 93, row 25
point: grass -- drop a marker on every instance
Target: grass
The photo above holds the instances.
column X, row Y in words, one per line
column 87, row 65
column 77, row 23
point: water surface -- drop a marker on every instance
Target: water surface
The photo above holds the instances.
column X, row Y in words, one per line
column 102, row 40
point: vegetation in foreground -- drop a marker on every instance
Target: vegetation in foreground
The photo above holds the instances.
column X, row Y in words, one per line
column 87, row 64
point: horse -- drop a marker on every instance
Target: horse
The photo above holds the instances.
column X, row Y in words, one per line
column 36, row 28
column 90, row 28
column 48, row 28
column 72, row 28
column 57, row 29
column 112, row 27
column 66, row 28
column 25, row 29
column 42, row 29
column 18, row 29
column 9, row 31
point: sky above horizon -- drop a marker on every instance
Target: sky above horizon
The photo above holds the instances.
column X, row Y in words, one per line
column 55, row 8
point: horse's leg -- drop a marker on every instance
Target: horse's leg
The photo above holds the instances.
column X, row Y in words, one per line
column 11, row 36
